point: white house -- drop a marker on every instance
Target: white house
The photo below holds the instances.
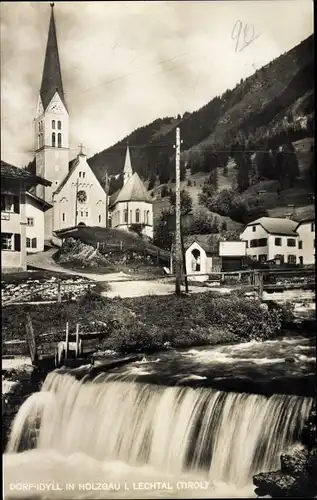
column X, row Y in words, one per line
column 35, row 209
column 306, row 241
column 132, row 203
column 14, row 184
column 271, row 238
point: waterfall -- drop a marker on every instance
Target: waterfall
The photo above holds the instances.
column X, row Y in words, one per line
column 222, row 436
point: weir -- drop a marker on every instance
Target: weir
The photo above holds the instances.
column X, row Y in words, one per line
column 221, row 436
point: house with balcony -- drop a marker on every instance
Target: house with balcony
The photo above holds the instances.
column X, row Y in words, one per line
column 15, row 182
column 272, row 238
column 306, row 241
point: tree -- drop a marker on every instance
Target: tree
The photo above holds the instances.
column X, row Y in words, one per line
column 265, row 165
column 209, row 190
column 137, row 229
column 186, row 201
column 164, row 191
column 189, row 183
column 151, row 182
column 163, row 236
column 203, row 223
column 312, row 169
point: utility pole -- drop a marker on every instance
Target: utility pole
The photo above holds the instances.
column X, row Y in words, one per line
column 76, row 203
column 178, row 240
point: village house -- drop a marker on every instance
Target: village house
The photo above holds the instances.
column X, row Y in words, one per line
column 271, row 238
column 35, row 209
column 306, row 241
column 131, row 205
column 14, row 184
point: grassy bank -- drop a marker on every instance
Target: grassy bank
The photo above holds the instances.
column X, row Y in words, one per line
column 151, row 323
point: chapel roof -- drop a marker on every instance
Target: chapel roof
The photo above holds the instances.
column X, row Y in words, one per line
column 133, row 190
column 277, row 225
column 52, row 76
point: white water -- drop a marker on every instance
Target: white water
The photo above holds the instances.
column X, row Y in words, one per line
column 120, row 431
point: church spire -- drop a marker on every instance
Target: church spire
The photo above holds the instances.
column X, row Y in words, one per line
column 52, row 77
column 127, row 171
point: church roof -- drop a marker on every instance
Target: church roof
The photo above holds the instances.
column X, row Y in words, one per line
column 52, row 77
column 72, row 166
column 133, row 190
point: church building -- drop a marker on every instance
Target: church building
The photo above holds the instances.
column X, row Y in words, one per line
column 75, row 194
column 131, row 205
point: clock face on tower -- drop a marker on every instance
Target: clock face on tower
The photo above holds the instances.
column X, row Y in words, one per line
column 81, row 196
column 56, row 107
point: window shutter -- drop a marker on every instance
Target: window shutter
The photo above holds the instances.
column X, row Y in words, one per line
column 16, row 204
column 34, row 243
column 17, row 242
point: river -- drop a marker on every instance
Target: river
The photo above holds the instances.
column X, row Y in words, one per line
column 161, row 427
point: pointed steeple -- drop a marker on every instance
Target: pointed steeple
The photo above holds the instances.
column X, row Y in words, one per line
column 127, row 171
column 52, row 77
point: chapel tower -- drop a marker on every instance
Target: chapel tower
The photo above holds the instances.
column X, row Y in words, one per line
column 51, row 125
column 127, row 171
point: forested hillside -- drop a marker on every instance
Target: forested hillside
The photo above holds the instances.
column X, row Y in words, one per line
column 267, row 112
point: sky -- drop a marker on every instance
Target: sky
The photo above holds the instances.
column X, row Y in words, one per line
column 125, row 64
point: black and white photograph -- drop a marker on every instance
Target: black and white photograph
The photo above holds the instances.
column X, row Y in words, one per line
column 158, row 249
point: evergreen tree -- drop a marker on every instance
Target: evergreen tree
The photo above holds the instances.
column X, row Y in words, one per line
column 186, row 202
column 151, row 182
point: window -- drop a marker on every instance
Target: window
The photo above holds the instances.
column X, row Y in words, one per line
column 84, row 174
column 53, row 124
column 30, row 221
column 148, row 217
column 291, row 259
column 7, row 204
column 313, row 227
column 300, row 245
column 262, row 258
column 301, row 260
column 7, row 241
column 130, row 216
column 253, row 228
column 86, row 213
column 137, row 216
column 262, row 242
column 34, row 243
column 59, row 140
column 59, row 125
column 28, row 243
column 125, row 216
column 53, row 139
column 291, row 242
column 63, row 217
column 246, row 244
column 99, row 218
column 253, row 243
column 278, row 242
column 82, row 196
column 280, row 258
column 145, row 221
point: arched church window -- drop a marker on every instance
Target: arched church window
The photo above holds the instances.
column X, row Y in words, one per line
column 53, row 139
column 53, row 124
column 59, row 125
column 125, row 215
column 148, row 217
column 59, row 140
column 130, row 216
column 137, row 215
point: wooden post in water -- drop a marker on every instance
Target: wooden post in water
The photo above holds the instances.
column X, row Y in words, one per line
column 67, row 341
column 59, row 292
column 30, row 338
column 77, row 340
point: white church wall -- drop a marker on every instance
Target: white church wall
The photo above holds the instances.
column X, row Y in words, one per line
column 91, row 210
column 145, row 216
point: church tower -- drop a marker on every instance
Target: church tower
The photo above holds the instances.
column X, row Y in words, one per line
column 127, row 171
column 51, row 125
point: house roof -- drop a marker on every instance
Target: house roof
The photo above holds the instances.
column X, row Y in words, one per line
column 12, row 172
column 72, row 166
column 306, row 220
column 52, row 76
column 208, row 242
column 43, row 204
column 133, row 190
column 276, row 225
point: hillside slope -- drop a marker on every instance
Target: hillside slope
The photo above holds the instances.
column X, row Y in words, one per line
column 275, row 99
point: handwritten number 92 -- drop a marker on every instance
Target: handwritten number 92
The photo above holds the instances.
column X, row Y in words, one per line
column 244, row 35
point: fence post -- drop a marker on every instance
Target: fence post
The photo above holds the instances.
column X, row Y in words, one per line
column 59, row 292
column 77, row 340
column 67, row 341
column 30, row 337
column 97, row 245
column 121, row 245
column 261, row 285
